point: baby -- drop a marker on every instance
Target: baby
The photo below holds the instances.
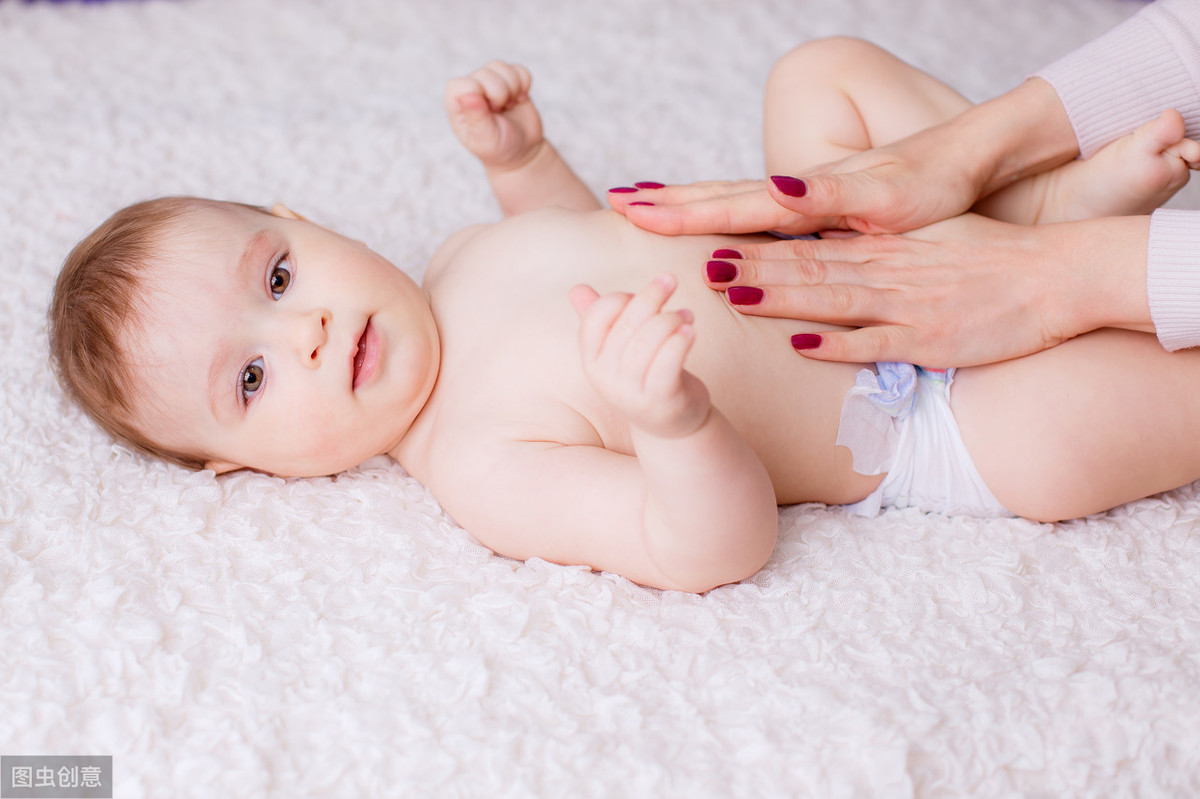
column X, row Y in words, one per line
column 553, row 414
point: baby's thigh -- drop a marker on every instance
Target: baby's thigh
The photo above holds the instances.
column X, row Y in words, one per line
column 1100, row 420
column 830, row 98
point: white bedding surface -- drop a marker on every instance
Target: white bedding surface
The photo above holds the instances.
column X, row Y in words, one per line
column 251, row 636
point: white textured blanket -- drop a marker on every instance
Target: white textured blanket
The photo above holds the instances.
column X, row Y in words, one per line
column 250, row 636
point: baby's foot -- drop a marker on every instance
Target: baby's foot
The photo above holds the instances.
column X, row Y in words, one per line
column 1133, row 175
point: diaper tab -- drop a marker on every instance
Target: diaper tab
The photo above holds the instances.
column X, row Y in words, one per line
column 872, row 412
column 899, row 421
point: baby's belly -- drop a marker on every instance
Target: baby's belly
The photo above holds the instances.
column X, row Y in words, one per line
column 788, row 407
column 785, row 405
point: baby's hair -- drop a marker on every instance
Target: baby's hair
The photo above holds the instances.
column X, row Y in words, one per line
column 97, row 300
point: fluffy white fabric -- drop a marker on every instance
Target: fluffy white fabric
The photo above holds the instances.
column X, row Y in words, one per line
column 251, row 636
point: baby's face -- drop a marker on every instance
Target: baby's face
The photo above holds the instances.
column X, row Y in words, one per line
column 271, row 343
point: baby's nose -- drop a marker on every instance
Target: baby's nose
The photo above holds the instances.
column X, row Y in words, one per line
column 313, row 335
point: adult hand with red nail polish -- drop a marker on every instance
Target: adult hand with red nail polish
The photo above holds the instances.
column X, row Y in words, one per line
column 965, row 291
column 736, row 206
column 931, row 175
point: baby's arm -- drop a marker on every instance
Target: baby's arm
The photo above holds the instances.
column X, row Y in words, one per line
column 709, row 513
column 496, row 121
column 694, row 507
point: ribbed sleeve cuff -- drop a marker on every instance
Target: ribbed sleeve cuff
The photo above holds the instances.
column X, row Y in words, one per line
column 1130, row 75
column 1173, row 277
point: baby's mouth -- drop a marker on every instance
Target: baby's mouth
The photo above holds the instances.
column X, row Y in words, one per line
column 365, row 355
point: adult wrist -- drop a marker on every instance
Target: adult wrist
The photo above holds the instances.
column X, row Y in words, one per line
column 1023, row 132
column 1101, row 265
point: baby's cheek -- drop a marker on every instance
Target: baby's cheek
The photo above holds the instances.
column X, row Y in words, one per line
column 326, row 443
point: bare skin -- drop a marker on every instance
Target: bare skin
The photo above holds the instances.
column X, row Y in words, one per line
column 786, row 409
column 650, row 434
column 944, row 294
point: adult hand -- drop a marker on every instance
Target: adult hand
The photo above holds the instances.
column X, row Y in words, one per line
column 932, row 175
column 885, row 190
column 966, row 291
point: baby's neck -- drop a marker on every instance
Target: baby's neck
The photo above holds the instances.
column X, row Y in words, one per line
column 416, row 442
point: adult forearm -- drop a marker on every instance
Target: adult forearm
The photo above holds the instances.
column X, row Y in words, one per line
column 1096, row 274
column 710, row 515
column 1021, row 133
column 1131, row 74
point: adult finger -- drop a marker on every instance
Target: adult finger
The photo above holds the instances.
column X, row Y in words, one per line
column 742, row 212
column 725, row 273
column 867, row 345
column 680, row 194
column 844, row 200
column 836, row 303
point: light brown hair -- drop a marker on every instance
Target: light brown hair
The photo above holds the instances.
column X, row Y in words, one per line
column 95, row 311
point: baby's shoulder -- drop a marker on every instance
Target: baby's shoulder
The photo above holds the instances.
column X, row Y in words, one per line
column 531, row 239
column 450, row 248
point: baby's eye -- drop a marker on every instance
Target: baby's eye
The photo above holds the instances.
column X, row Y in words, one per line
column 280, row 277
column 252, row 378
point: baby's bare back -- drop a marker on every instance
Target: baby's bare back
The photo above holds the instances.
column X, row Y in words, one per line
column 511, row 367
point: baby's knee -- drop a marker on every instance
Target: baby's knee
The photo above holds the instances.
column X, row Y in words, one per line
column 824, row 57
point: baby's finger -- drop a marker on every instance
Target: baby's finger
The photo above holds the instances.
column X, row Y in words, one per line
column 597, row 316
column 665, row 371
column 644, row 305
column 582, row 297
column 643, row 347
column 494, row 87
column 516, row 77
column 459, row 91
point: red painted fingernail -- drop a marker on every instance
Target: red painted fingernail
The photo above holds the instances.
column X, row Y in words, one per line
column 650, row 184
column 720, row 271
column 744, row 295
column 806, row 341
column 641, row 203
column 792, row 187
column 622, row 190
column 726, row 253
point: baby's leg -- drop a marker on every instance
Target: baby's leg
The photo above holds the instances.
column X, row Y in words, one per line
column 1100, row 420
column 1133, row 175
column 831, row 98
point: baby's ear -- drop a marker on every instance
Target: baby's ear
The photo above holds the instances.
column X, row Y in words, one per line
column 221, row 467
column 282, row 211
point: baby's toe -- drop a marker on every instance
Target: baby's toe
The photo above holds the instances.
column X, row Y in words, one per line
column 1158, row 134
column 1188, row 151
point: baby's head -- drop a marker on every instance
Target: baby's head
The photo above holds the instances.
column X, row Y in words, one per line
column 223, row 336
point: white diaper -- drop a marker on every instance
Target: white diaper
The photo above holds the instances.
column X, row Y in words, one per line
column 899, row 421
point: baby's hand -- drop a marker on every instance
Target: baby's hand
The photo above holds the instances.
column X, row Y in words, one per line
column 493, row 116
column 633, row 352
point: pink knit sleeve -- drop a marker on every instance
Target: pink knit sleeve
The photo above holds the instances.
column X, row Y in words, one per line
column 1173, row 277
column 1149, row 63
column 1130, row 75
